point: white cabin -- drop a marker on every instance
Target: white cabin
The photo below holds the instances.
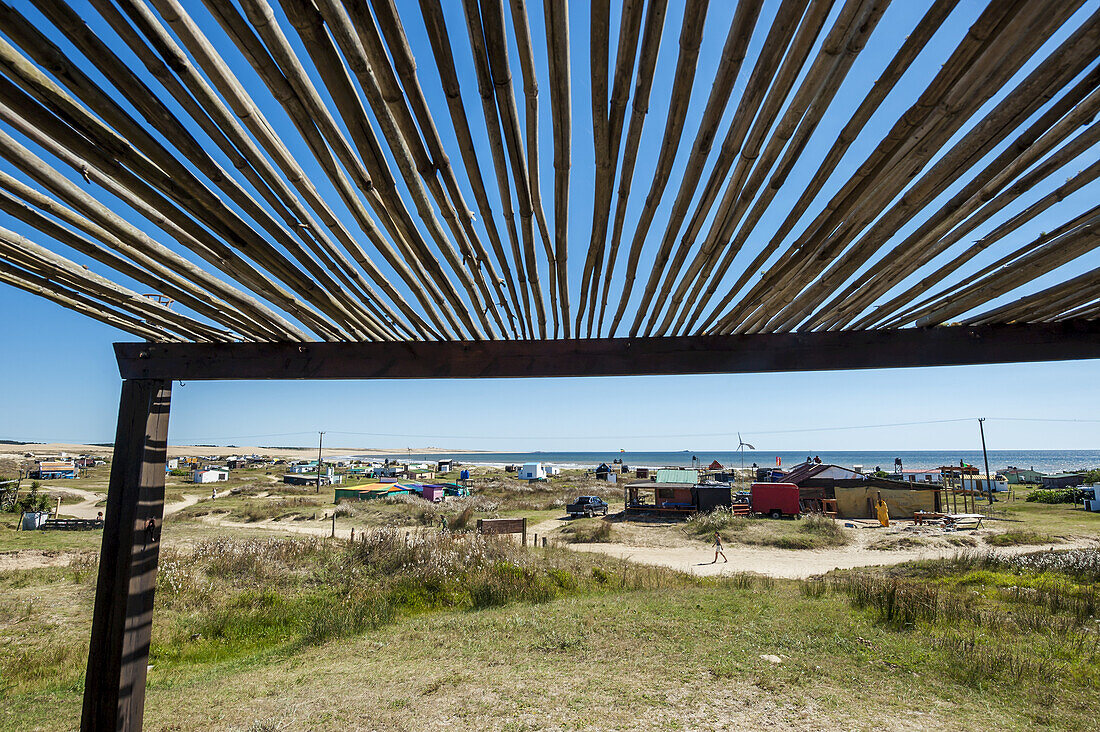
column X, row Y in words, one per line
column 210, row 475
column 919, row 476
column 983, row 483
column 532, row 471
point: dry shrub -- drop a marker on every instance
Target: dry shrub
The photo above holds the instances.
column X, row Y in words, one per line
column 462, row 521
column 588, row 531
column 84, row 567
column 718, row 520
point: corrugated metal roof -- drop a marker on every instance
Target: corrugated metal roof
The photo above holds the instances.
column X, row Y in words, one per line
column 56, row 466
column 677, row 475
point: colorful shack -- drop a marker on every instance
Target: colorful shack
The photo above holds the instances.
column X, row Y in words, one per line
column 370, row 492
column 50, row 470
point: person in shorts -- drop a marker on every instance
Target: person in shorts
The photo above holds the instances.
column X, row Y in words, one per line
column 718, row 548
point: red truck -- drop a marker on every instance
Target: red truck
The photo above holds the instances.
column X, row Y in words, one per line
column 775, row 499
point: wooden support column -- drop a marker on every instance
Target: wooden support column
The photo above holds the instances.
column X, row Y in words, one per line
column 114, row 689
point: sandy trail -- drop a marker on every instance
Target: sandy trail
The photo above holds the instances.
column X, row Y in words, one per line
column 774, row 562
column 87, row 509
column 35, row 558
column 189, row 499
column 286, row 527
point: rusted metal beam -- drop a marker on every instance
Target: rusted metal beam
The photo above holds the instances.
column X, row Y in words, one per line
column 114, row 689
column 745, row 353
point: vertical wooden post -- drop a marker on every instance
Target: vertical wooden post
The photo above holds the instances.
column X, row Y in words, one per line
column 525, row 531
column 114, row 689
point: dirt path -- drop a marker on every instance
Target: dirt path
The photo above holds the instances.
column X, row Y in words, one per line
column 287, row 527
column 87, row 509
column 35, row 558
column 695, row 557
column 189, row 499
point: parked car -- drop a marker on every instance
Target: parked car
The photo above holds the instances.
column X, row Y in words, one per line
column 775, row 499
column 587, row 506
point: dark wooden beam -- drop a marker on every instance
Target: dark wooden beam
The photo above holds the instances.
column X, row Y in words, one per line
column 818, row 351
column 114, row 688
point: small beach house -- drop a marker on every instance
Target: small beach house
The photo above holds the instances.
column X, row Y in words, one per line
column 1063, row 480
column 983, row 483
column 1018, row 476
column 209, row 475
column 919, row 476
column 49, row 470
column 532, row 472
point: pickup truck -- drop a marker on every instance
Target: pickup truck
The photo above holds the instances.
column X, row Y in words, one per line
column 587, row 506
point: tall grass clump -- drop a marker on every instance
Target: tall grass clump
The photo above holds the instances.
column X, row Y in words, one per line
column 1019, row 537
column 814, row 531
column 895, row 601
column 719, row 520
column 1027, row 618
column 588, row 531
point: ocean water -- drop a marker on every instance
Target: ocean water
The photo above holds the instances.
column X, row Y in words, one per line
column 1046, row 461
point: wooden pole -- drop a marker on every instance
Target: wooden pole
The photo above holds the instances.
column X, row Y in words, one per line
column 114, row 689
column 525, row 531
column 320, row 441
column 985, row 457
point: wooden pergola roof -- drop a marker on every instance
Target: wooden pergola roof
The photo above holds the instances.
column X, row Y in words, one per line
column 122, row 164
column 240, row 180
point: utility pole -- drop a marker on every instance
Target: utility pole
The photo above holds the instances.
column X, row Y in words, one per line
column 320, row 440
column 985, row 456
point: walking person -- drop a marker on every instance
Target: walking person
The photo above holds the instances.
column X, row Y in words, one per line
column 718, row 548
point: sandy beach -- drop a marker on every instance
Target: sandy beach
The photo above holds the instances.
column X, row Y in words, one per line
column 17, row 451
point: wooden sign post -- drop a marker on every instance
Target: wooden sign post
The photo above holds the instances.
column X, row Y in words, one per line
column 488, row 527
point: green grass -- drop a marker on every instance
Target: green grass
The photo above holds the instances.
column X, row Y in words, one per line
column 228, row 600
column 12, row 540
column 683, row 655
column 1021, row 537
column 1063, row 519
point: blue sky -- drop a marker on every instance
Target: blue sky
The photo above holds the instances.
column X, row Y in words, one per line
column 58, row 380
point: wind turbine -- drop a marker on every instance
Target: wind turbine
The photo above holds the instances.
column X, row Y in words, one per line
column 741, row 445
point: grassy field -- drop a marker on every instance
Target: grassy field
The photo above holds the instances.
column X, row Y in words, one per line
column 1059, row 519
column 929, row 645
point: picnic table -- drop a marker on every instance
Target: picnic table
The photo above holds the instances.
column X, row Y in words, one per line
column 949, row 521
